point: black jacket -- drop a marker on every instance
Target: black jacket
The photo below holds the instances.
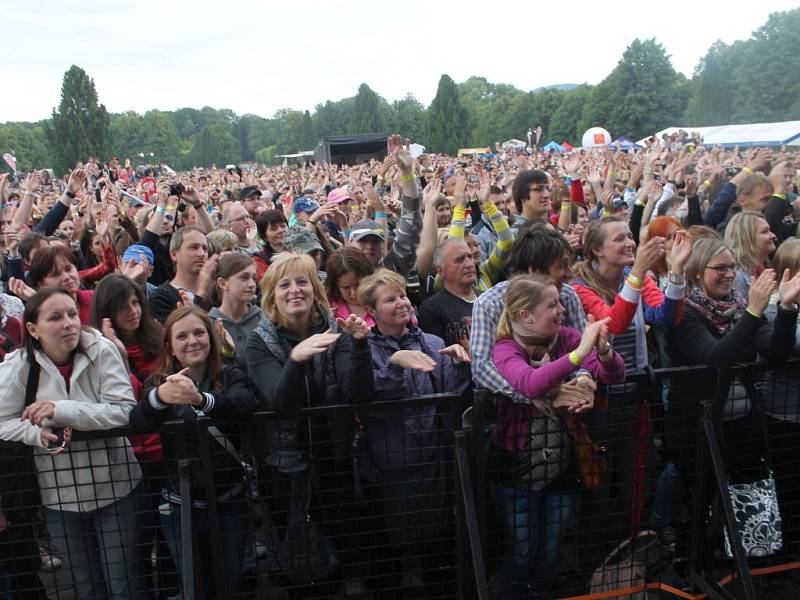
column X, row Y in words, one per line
column 341, row 375
column 230, row 401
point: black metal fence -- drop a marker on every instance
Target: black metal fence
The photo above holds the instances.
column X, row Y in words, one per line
column 423, row 498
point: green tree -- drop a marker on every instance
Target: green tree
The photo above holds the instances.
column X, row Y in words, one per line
column 410, row 116
column 333, row 118
column 565, row 120
column 214, row 144
column 767, row 82
column 367, row 116
column 27, row 142
column 307, row 141
column 447, row 119
column 712, row 101
column 641, row 95
column 288, row 131
column 154, row 132
column 80, row 126
column 487, row 105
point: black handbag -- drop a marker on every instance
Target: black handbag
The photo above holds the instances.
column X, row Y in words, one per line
column 19, row 486
column 307, row 554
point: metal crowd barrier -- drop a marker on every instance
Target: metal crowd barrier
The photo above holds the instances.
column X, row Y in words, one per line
column 415, row 498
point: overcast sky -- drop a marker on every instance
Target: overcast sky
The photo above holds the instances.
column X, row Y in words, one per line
column 260, row 56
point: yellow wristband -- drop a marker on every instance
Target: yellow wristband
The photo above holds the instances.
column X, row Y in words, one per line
column 707, row 183
column 752, row 313
column 574, row 358
column 227, row 353
column 747, row 170
column 565, row 207
column 781, row 196
column 409, row 177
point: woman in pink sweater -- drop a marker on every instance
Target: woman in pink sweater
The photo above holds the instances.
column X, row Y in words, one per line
column 533, row 475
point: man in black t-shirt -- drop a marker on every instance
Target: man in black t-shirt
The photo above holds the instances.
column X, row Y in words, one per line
column 448, row 313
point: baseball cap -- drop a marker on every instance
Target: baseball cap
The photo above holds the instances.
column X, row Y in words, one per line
column 300, row 239
column 138, row 252
column 249, row 191
column 305, row 204
column 364, row 228
column 338, row 195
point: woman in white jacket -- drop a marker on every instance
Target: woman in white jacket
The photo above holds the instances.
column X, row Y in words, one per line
column 88, row 488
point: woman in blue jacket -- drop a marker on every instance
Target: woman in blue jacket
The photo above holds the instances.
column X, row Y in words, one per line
column 405, row 445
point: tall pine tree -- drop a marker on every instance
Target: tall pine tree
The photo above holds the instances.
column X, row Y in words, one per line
column 447, row 120
column 80, row 126
column 367, row 117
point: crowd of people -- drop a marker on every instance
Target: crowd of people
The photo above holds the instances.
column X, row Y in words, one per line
column 140, row 295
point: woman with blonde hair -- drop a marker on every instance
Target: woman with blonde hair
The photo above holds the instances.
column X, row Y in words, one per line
column 299, row 356
column 534, row 480
column 749, row 237
column 406, row 444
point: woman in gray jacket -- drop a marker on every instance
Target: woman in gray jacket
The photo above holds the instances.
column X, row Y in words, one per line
column 88, row 488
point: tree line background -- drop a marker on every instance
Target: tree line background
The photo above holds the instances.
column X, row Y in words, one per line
column 753, row 80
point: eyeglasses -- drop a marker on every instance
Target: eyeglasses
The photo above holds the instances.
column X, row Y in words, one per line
column 722, row 269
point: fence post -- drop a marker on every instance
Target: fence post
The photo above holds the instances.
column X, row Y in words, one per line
column 710, row 421
column 214, row 534
column 187, row 530
column 469, row 518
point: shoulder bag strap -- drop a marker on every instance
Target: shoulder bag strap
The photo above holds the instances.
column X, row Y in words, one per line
column 33, row 383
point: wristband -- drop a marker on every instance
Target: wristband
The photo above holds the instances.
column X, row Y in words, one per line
column 379, row 214
column 565, row 207
column 707, row 183
column 781, row 196
column 752, row 313
column 69, row 195
column 574, row 358
column 28, row 193
column 161, row 210
column 226, row 352
column 409, row 177
column 633, row 281
column 747, row 170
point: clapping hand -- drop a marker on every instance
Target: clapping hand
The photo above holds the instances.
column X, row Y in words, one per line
column 760, row 291
column 789, row 290
column 413, row 359
column 457, row 353
column 313, row 345
column 354, row 326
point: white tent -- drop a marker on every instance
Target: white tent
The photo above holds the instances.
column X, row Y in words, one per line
column 785, row 133
column 513, row 143
column 416, row 150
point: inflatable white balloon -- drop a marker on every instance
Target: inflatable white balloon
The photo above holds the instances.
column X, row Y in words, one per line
column 595, row 137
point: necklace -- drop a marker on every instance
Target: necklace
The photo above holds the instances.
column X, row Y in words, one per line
column 468, row 300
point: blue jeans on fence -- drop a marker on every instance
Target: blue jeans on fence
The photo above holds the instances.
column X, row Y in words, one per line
column 234, row 521
column 101, row 549
column 534, row 525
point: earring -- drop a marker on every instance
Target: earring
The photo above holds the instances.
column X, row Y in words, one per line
column 529, row 321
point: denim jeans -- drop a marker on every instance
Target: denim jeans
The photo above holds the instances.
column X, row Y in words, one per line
column 534, row 524
column 234, row 521
column 101, row 549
